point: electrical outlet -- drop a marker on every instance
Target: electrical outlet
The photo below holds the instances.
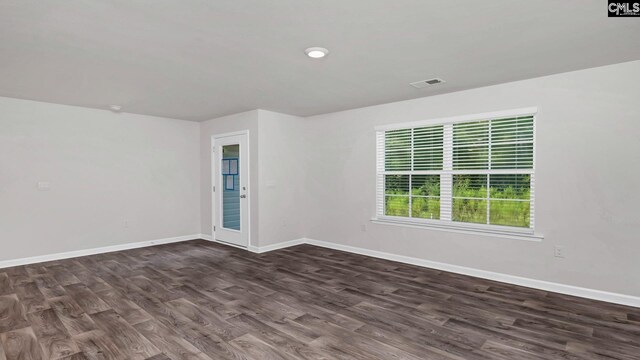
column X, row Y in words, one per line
column 44, row 185
column 363, row 227
column 558, row 251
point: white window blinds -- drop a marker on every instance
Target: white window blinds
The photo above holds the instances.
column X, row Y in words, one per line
column 461, row 172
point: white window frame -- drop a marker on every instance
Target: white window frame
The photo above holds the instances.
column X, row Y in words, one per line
column 445, row 223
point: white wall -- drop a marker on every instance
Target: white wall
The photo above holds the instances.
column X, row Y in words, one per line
column 587, row 198
column 104, row 169
column 232, row 123
column 282, row 165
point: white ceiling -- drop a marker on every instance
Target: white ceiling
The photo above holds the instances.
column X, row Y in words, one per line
column 199, row 59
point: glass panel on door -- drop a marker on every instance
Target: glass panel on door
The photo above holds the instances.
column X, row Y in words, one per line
column 231, row 186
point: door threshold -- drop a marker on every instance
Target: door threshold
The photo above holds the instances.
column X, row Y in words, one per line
column 230, row 244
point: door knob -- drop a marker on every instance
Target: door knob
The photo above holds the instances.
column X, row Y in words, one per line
column 243, row 196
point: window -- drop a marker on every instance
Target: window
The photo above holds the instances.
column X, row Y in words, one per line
column 471, row 172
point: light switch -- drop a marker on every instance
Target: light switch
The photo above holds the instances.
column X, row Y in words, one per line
column 44, row 185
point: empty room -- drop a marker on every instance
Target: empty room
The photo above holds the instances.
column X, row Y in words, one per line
column 336, row 179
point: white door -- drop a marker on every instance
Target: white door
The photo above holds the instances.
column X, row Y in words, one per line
column 230, row 186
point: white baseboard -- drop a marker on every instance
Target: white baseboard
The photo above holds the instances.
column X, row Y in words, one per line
column 510, row 279
column 94, row 251
column 258, row 249
column 280, row 245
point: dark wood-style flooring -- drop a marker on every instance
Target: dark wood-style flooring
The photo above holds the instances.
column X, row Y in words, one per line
column 200, row 300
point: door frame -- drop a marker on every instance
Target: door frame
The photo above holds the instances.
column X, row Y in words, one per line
column 214, row 185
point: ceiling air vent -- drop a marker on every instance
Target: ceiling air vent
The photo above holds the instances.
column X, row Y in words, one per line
column 424, row 83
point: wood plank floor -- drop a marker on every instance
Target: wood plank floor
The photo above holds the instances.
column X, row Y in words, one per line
column 199, row 300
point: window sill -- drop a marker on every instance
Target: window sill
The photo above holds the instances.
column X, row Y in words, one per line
column 517, row 234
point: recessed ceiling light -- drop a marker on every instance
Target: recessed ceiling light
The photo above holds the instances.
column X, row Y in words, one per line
column 115, row 108
column 316, row 52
